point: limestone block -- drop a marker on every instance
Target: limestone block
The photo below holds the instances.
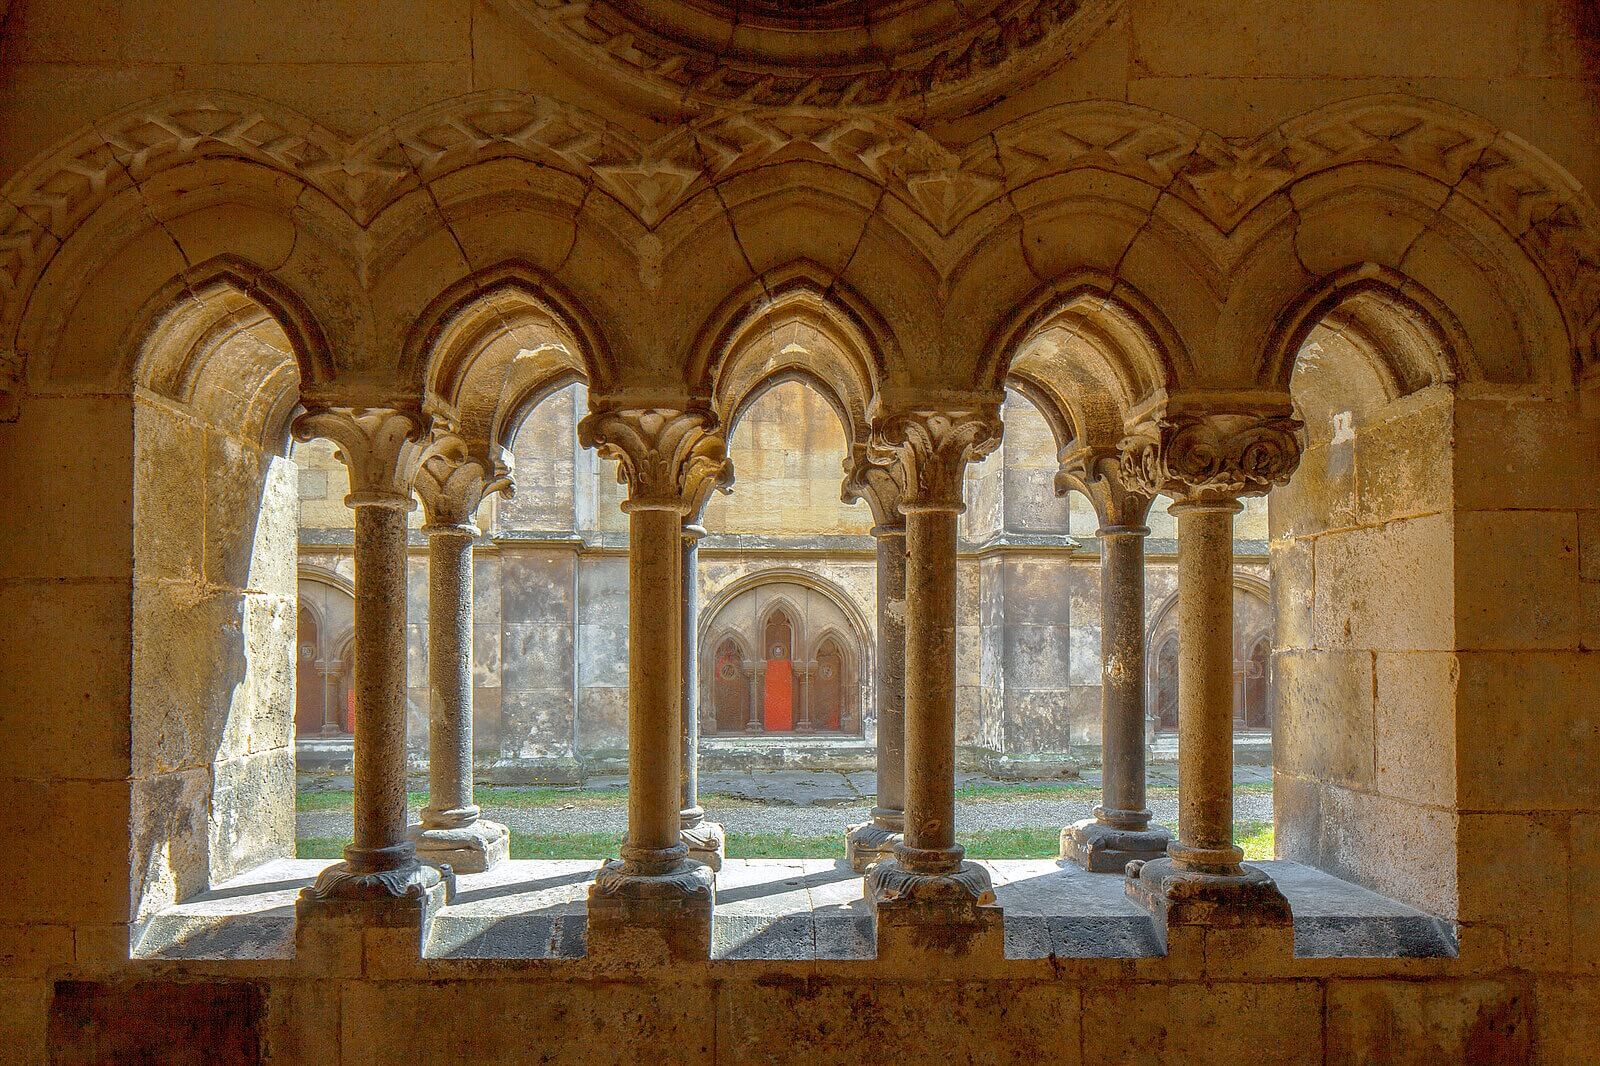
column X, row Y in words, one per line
column 1567, row 1007
column 24, row 1011
column 1414, row 713
column 486, row 667
column 1083, row 665
column 960, row 1021
column 1516, row 579
column 1428, row 1022
column 1403, row 464
column 1400, row 850
column 1036, row 656
column 1031, row 504
column 235, row 483
column 1320, row 496
column 465, row 1020
column 486, row 569
column 64, row 714
column 487, row 728
column 602, row 718
column 417, row 652
column 78, row 828
column 252, row 812
column 169, row 501
column 1293, row 593
column 1589, row 545
column 991, row 595
column 969, row 655
column 1323, row 727
column 75, row 519
column 1387, row 588
column 536, row 723
column 1527, row 735
column 602, row 655
column 1514, row 870
column 35, row 950
column 171, row 838
column 536, row 586
column 538, row 656
column 1221, row 1022
column 1037, row 591
column 1524, row 454
column 155, row 1021
column 1584, row 883
column 191, row 657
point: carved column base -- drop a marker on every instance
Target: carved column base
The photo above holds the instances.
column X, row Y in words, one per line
column 646, row 916
column 374, row 875
column 1104, row 849
column 874, row 841
column 950, row 914
column 468, row 849
column 348, row 916
column 1241, row 898
column 706, row 842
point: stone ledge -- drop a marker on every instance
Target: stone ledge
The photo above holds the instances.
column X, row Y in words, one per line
column 786, row 909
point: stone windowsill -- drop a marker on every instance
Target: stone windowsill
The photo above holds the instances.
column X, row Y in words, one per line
column 786, row 909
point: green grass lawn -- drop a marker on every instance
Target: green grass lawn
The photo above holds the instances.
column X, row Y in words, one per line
column 1254, row 837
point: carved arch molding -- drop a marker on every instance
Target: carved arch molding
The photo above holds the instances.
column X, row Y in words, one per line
column 1538, row 203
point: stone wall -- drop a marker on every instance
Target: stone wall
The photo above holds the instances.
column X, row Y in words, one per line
column 212, row 670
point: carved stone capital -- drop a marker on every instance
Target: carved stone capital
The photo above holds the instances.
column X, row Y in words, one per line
column 879, row 480
column 1097, row 473
column 381, row 447
column 453, row 483
column 1206, row 458
column 669, row 459
column 934, row 447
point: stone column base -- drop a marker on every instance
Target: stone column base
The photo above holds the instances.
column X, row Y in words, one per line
column 652, row 917
column 949, row 913
column 469, row 849
column 1177, row 897
column 1104, row 849
column 868, row 843
column 706, row 842
column 336, row 934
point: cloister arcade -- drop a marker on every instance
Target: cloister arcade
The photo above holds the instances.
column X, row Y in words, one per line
column 1380, row 315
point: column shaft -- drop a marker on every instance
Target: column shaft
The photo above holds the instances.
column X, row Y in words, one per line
column 692, row 812
column 330, row 700
column 380, row 684
column 1122, row 673
column 450, row 803
column 1205, row 686
column 654, row 689
column 890, row 812
column 930, row 706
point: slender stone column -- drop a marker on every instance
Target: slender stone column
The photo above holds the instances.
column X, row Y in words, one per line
column 452, row 485
column 758, row 672
column 330, row 696
column 803, row 672
column 705, row 840
column 927, row 879
column 1207, row 461
column 881, row 486
column 664, row 457
column 382, row 449
column 1120, row 831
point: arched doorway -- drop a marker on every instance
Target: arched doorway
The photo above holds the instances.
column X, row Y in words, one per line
column 1252, row 661
column 803, row 677
column 309, row 691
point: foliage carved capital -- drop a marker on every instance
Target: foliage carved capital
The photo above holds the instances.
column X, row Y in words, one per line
column 879, row 480
column 669, row 459
column 1202, row 458
column 453, row 483
column 381, row 447
column 1097, row 473
column 934, row 448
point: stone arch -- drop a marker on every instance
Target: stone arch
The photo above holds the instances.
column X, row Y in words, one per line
column 842, row 342
column 857, row 619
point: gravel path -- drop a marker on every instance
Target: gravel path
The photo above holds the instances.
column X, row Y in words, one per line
column 1046, row 813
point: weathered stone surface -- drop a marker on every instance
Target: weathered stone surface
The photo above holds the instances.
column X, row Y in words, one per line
column 1129, row 1022
column 1386, row 588
column 1324, row 725
column 217, row 1022
column 1402, row 1021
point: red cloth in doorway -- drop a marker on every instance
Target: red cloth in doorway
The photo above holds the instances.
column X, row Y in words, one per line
column 777, row 710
